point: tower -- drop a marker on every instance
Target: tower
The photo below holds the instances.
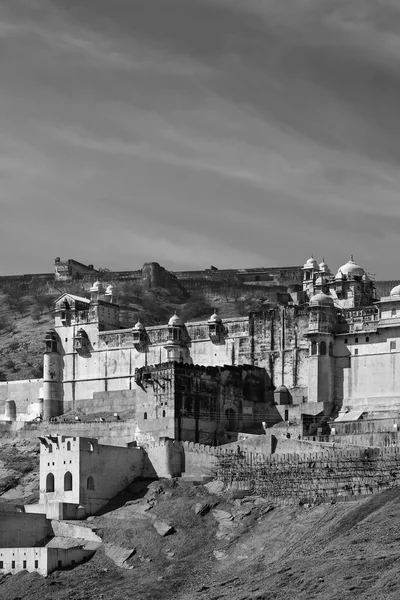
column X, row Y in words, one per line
column 52, row 377
column 321, row 372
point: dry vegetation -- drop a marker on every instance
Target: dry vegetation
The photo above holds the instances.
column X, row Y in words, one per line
column 27, row 313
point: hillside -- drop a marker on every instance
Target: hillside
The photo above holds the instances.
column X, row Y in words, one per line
column 221, row 547
column 27, row 313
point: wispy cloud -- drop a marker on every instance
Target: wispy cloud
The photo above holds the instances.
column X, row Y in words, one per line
column 249, row 131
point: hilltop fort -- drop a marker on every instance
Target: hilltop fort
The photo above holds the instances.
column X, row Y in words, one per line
column 311, row 380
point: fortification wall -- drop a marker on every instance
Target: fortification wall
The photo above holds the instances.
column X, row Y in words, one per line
column 313, row 477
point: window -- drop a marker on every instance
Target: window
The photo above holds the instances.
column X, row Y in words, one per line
column 68, row 445
column 1, row 564
column 13, row 564
column 90, row 447
column 322, row 348
column 68, row 481
column 50, row 448
column 346, row 341
column 36, row 564
column 145, row 416
column 356, row 340
column 367, row 339
column 356, row 352
column 313, row 348
column 393, row 345
column 90, row 483
column 59, row 564
column 394, row 312
column 24, row 564
column 331, row 349
column 257, row 278
column 163, row 413
column 50, row 482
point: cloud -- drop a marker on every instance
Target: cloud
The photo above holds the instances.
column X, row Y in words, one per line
column 256, row 132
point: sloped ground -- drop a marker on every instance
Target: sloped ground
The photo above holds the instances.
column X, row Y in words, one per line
column 22, row 333
column 223, row 548
column 19, row 472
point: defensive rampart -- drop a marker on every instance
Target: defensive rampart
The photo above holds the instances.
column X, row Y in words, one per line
column 327, row 476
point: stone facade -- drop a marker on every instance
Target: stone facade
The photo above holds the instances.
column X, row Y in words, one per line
column 330, row 345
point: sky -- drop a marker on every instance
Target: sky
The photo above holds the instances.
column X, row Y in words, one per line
column 237, row 133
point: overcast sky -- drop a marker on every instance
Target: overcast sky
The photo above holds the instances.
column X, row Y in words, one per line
column 194, row 132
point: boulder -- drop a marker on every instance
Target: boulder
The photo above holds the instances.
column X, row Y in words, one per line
column 163, row 528
column 215, row 487
column 202, row 508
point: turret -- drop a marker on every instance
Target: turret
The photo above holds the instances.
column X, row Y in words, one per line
column 176, row 347
column 139, row 336
column 52, row 377
column 216, row 329
column 321, row 362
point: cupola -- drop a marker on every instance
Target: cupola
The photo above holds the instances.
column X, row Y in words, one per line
column 323, row 267
column 139, row 334
column 175, row 329
column 216, row 329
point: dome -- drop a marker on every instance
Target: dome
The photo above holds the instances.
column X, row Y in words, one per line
column 110, row 290
column 311, row 264
column 97, row 287
column 395, row 291
column 321, row 299
column 215, row 318
column 319, row 280
column 139, row 326
column 175, row 321
column 352, row 269
column 282, row 389
column 339, row 275
column 323, row 267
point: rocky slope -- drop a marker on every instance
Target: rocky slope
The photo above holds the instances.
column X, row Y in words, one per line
column 173, row 540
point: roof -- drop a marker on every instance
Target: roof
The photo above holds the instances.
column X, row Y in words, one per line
column 78, row 298
column 352, row 415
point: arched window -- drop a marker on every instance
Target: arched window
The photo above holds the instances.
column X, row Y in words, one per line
column 331, row 349
column 356, row 340
column 90, row 483
column 313, row 348
column 50, row 483
column 145, row 416
column 322, row 348
column 67, row 482
column 90, row 447
column 50, row 448
column 68, row 445
column 163, row 413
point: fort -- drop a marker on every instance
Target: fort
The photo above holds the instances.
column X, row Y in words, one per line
column 296, row 402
